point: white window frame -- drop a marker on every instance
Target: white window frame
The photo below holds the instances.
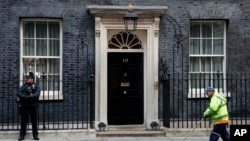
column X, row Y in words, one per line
column 45, row 95
column 199, row 92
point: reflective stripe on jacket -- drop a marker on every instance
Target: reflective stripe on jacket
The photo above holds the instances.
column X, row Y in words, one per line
column 217, row 109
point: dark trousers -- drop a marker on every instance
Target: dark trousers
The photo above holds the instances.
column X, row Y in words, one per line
column 219, row 130
column 27, row 112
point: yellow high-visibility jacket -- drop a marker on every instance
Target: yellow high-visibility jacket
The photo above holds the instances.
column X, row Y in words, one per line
column 217, row 109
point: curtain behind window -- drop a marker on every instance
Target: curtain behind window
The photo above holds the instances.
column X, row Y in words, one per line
column 206, row 43
column 41, row 50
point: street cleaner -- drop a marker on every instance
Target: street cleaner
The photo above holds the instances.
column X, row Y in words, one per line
column 218, row 113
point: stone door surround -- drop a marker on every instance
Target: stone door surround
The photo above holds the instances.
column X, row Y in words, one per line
column 108, row 21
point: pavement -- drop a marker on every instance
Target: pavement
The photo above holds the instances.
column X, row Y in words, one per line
column 92, row 135
column 117, row 139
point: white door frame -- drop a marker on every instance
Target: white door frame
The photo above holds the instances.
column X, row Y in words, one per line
column 150, row 25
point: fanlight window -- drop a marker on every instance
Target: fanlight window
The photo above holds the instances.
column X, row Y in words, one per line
column 124, row 40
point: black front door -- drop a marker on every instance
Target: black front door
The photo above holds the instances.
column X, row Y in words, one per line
column 125, row 88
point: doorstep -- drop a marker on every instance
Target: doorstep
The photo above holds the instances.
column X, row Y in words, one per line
column 130, row 131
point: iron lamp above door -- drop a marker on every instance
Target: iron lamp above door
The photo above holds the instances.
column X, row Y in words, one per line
column 130, row 19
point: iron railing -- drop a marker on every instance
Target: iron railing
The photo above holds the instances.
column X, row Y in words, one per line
column 183, row 107
column 72, row 111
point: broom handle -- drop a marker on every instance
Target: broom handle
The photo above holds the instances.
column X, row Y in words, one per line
column 193, row 129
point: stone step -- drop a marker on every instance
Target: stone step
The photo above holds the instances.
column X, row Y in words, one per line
column 126, row 128
column 132, row 133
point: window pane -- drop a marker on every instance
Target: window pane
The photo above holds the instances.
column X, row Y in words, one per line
column 206, row 80
column 218, row 80
column 28, row 47
column 54, row 66
column 41, row 65
column 43, row 83
column 28, row 29
column 41, row 47
column 53, row 83
column 28, row 65
column 41, row 29
column 195, row 83
column 54, row 48
column 207, row 30
column 194, row 64
column 206, row 46
column 217, row 64
column 200, row 80
column 41, row 42
column 205, row 64
column 209, row 51
column 195, row 30
column 54, row 30
column 218, row 29
column 194, row 46
column 218, row 46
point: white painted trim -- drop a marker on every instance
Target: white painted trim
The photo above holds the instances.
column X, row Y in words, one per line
column 111, row 18
column 150, row 50
column 199, row 93
column 45, row 95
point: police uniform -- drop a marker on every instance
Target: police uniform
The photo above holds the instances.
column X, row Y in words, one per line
column 28, row 95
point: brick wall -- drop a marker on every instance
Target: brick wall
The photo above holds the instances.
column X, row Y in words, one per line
column 78, row 31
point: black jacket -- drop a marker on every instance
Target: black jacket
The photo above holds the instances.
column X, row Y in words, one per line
column 28, row 94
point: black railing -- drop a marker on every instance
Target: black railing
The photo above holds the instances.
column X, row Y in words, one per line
column 67, row 107
column 183, row 106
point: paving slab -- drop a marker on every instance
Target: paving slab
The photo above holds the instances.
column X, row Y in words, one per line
column 118, row 139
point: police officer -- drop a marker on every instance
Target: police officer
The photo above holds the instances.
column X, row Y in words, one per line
column 218, row 113
column 28, row 95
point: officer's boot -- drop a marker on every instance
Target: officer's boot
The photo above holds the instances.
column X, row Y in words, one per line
column 36, row 137
column 21, row 137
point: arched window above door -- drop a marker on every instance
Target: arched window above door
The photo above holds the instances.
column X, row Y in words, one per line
column 124, row 40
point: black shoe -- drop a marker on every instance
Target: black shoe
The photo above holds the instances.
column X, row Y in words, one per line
column 21, row 138
column 36, row 137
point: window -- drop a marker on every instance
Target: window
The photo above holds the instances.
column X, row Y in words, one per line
column 207, row 55
column 41, row 53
